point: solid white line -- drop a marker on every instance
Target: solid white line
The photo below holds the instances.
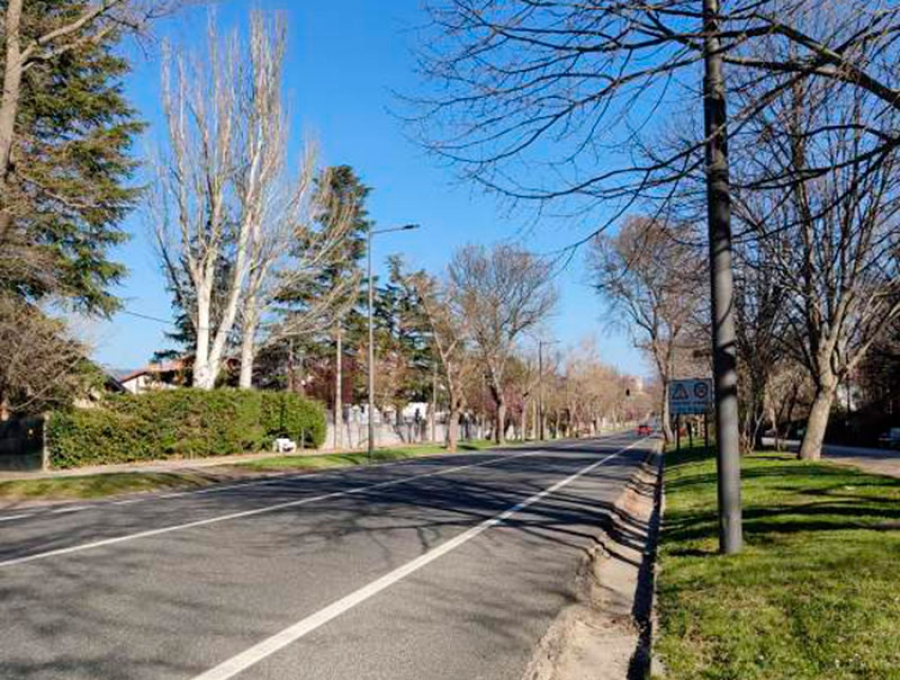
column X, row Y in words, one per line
column 276, row 478
column 12, row 517
column 258, row 652
column 77, row 508
column 246, row 513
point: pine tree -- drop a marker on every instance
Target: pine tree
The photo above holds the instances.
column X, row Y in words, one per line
column 66, row 188
column 345, row 191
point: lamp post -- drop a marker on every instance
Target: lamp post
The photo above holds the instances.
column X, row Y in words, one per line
column 370, row 444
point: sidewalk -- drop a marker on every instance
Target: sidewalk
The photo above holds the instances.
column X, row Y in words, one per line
column 875, row 461
column 180, row 464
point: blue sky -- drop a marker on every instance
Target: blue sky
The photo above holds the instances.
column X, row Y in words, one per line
column 345, row 60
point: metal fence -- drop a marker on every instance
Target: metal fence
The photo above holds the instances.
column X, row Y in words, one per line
column 21, row 443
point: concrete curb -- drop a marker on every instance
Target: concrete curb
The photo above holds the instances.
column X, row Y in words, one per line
column 607, row 633
column 656, row 668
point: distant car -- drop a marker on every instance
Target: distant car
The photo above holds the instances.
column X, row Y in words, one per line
column 890, row 439
column 644, row 430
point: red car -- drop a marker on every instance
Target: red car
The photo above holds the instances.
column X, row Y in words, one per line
column 644, row 430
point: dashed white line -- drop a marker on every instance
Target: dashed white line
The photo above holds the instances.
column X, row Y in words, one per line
column 256, row 653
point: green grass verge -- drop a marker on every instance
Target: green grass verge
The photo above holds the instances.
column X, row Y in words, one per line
column 99, row 486
column 814, row 595
column 85, row 487
column 333, row 460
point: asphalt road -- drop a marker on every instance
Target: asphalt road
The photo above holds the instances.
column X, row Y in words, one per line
column 444, row 567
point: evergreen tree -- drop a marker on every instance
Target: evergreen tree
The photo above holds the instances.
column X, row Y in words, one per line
column 66, row 188
column 402, row 347
column 339, row 190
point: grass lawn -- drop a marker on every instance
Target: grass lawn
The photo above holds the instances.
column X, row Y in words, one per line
column 99, row 486
column 333, row 460
column 816, row 592
column 85, row 487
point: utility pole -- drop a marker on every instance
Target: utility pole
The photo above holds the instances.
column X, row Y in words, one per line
column 718, row 190
column 540, row 391
column 434, row 387
column 338, row 386
column 370, row 444
column 541, row 344
column 370, row 440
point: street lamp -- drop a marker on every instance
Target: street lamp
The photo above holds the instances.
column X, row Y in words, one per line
column 371, row 381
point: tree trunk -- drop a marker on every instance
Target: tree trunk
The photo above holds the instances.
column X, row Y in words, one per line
column 204, row 375
column 500, row 434
column 248, row 345
column 432, row 420
column 453, row 425
column 524, row 421
column 666, row 417
column 811, row 446
column 9, row 107
column 248, row 358
column 12, row 81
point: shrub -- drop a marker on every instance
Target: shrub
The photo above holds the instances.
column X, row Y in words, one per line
column 95, row 436
column 181, row 423
column 285, row 414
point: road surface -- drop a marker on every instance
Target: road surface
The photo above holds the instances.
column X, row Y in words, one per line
column 439, row 568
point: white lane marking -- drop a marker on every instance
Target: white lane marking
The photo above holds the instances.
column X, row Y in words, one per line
column 246, row 513
column 272, row 479
column 77, row 508
column 12, row 517
column 261, row 650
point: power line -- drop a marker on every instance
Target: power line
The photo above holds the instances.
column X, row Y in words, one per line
column 139, row 315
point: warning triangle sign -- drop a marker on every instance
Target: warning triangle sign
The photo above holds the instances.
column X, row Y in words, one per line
column 680, row 393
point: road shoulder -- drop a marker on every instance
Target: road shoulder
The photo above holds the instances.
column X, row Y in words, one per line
column 605, row 633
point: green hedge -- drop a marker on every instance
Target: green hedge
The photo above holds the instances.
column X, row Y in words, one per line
column 285, row 414
column 181, row 423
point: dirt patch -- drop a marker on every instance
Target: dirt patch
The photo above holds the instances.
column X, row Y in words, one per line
column 605, row 634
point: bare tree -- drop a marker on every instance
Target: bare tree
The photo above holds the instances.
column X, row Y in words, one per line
column 652, row 275
column 502, row 293
column 40, row 364
column 571, row 87
column 447, row 332
column 760, row 306
column 830, row 239
column 197, row 225
column 231, row 220
column 293, row 242
column 521, row 85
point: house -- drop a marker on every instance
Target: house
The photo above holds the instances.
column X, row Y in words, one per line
column 162, row 376
column 168, row 375
column 94, row 394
